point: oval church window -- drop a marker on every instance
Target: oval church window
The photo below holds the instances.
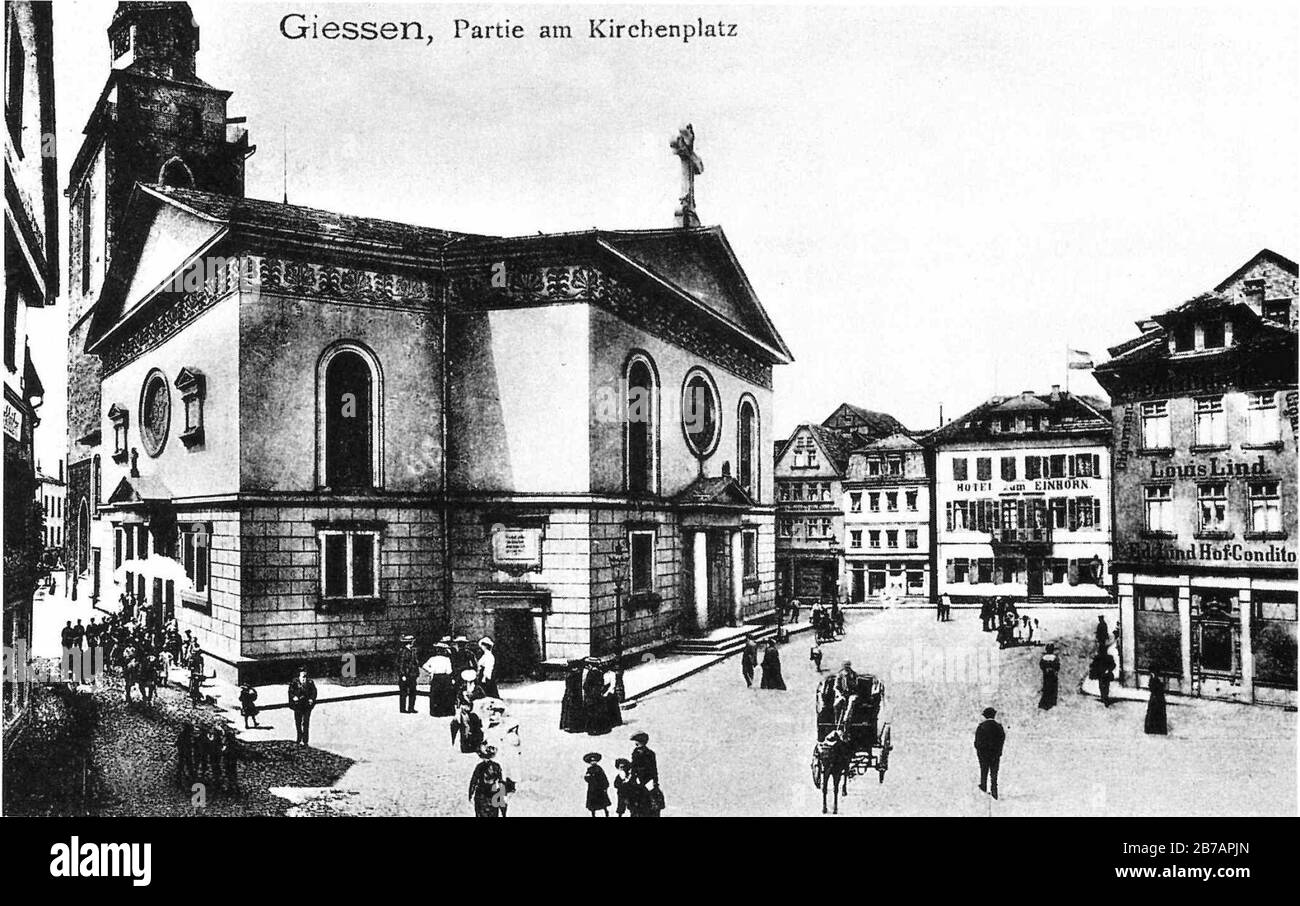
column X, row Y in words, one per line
column 700, row 413
column 155, row 412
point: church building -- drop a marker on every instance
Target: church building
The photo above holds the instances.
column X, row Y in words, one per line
column 310, row 433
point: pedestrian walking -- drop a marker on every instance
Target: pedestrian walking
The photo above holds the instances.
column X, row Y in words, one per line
column 248, row 704
column 1103, row 671
column 815, row 655
column 408, row 675
column 593, row 698
column 486, row 784
column 442, row 682
column 466, row 723
column 1156, row 722
column 487, row 667
column 302, row 698
column 573, row 716
column 749, row 661
column 989, row 740
column 597, row 785
column 1050, row 665
column 644, row 772
column 1103, row 634
column 772, row 678
column 794, row 610
column 197, row 673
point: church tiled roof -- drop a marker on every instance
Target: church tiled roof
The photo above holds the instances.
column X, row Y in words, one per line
column 253, row 214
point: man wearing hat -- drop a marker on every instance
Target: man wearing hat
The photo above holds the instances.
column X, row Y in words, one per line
column 645, row 774
column 989, row 738
column 408, row 672
column 487, row 666
column 196, row 673
column 302, row 698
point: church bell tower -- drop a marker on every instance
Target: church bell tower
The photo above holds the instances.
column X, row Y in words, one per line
column 155, row 121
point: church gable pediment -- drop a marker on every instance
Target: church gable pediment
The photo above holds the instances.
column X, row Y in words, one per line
column 712, row 492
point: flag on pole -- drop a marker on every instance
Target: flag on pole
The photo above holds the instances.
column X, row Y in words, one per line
column 1078, row 360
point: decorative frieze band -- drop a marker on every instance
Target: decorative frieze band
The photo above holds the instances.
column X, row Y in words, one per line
column 581, row 282
column 253, row 273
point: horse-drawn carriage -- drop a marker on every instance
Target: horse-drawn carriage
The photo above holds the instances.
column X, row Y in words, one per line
column 851, row 737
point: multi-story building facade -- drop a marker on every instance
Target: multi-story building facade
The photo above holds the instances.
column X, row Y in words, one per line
column 810, row 466
column 52, row 495
column 31, row 282
column 1022, row 499
column 1205, row 428
column 809, row 469
column 307, row 433
column 887, row 521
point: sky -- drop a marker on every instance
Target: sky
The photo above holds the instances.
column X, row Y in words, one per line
column 932, row 203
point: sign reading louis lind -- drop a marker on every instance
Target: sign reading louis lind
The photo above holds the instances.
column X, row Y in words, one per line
column 516, row 549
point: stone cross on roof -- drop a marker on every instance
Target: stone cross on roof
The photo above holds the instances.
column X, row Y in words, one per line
column 684, row 147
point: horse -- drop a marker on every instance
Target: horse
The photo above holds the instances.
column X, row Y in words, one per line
column 834, row 760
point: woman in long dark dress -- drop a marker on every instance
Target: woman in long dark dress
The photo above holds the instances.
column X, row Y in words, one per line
column 573, row 718
column 1050, row 664
column 593, row 699
column 772, row 678
column 1156, row 722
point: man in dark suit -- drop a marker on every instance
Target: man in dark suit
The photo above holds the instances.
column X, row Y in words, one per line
column 408, row 675
column 749, row 661
column 645, row 774
column 302, row 698
column 989, row 738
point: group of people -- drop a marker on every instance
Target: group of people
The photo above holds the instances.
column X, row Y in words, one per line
column 208, row 753
column 636, row 782
column 590, row 703
column 1000, row 615
column 135, row 646
column 452, row 666
column 496, row 739
column 827, row 622
column 770, row 665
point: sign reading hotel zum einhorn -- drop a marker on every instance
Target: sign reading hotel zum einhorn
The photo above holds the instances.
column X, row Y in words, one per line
column 516, row 548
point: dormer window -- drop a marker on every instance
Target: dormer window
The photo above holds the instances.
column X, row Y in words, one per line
column 192, row 386
column 1184, row 337
column 1215, row 335
column 1277, row 310
column 121, row 419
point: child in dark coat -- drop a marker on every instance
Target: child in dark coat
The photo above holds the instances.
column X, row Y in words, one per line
column 597, row 785
column 624, row 788
column 248, row 704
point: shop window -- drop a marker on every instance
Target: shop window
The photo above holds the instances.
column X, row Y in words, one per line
column 1265, row 507
column 1157, row 635
column 642, row 561
column 1273, row 637
column 1261, row 418
column 1155, row 426
column 915, row 581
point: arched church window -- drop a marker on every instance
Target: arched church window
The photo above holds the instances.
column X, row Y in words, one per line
column 641, row 421
column 175, row 173
column 747, row 446
column 349, row 418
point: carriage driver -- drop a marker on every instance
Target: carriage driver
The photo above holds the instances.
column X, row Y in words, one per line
column 846, row 691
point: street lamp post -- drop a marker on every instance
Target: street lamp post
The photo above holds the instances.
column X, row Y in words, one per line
column 618, row 565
